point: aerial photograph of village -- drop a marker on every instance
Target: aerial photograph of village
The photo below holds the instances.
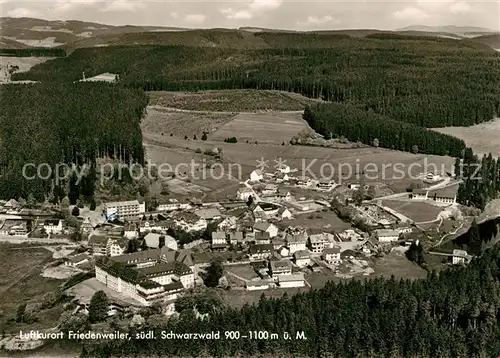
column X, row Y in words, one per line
column 263, row 178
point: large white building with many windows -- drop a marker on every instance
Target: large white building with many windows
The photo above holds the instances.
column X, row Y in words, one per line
column 124, row 210
column 149, row 277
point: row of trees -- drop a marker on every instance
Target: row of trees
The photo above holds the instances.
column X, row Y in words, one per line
column 454, row 314
column 335, row 120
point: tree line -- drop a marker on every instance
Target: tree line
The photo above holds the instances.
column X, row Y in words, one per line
column 334, row 120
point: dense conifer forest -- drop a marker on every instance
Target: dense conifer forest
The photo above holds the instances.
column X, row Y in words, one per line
column 454, row 314
column 429, row 83
column 65, row 123
column 335, row 120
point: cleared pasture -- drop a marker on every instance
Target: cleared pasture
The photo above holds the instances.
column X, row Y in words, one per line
column 417, row 211
column 262, row 127
column 482, row 138
column 244, row 100
column 162, row 120
column 379, row 165
column 23, row 63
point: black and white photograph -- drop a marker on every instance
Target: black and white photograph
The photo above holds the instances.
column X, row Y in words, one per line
column 249, row 178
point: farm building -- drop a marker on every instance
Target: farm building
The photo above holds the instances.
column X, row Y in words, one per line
column 256, row 175
column 294, row 280
column 332, row 256
column 386, row 235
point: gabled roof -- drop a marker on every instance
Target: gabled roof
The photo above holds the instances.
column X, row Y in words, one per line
column 332, row 250
column 262, row 235
column 386, row 232
column 120, row 241
column 262, row 226
column 78, row 258
column 296, row 238
column 236, row 235
column 98, row 240
column 208, row 214
column 255, row 249
column 220, row 235
column 449, row 192
column 282, row 210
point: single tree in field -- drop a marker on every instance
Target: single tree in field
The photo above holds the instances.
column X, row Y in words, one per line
column 98, row 309
column 92, row 204
column 75, row 211
column 194, row 137
column 213, row 274
column 204, row 136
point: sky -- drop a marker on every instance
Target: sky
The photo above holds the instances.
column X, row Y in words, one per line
column 277, row 14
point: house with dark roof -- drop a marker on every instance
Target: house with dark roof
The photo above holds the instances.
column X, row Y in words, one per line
column 259, row 252
column 98, row 244
column 271, row 229
column 149, row 276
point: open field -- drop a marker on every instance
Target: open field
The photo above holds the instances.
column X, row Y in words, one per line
column 398, row 265
column 382, row 164
column 21, row 282
column 415, row 210
column 268, row 128
column 482, row 138
column 318, row 221
column 238, row 298
column 245, row 271
column 162, row 120
column 231, row 100
column 24, row 64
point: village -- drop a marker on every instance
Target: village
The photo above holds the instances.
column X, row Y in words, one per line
column 266, row 238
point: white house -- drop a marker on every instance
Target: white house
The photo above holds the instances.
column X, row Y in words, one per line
column 130, row 231
column 266, row 227
column 257, row 285
column 259, row 252
column 349, row 235
column 77, row 260
column 122, row 210
column 304, row 181
column 302, row 258
column 116, row 246
column 153, row 241
column 332, row 255
column 325, row 184
column 174, row 204
column 281, row 267
column 318, row 242
column 219, row 239
column 294, row 280
column 460, row 257
column 387, row 235
column 284, row 252
column 284, row 214
column 53, row 227
column 256, row 175
column 296, row 242
column 244, row 193
column 270, row 189
column 228, row 223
